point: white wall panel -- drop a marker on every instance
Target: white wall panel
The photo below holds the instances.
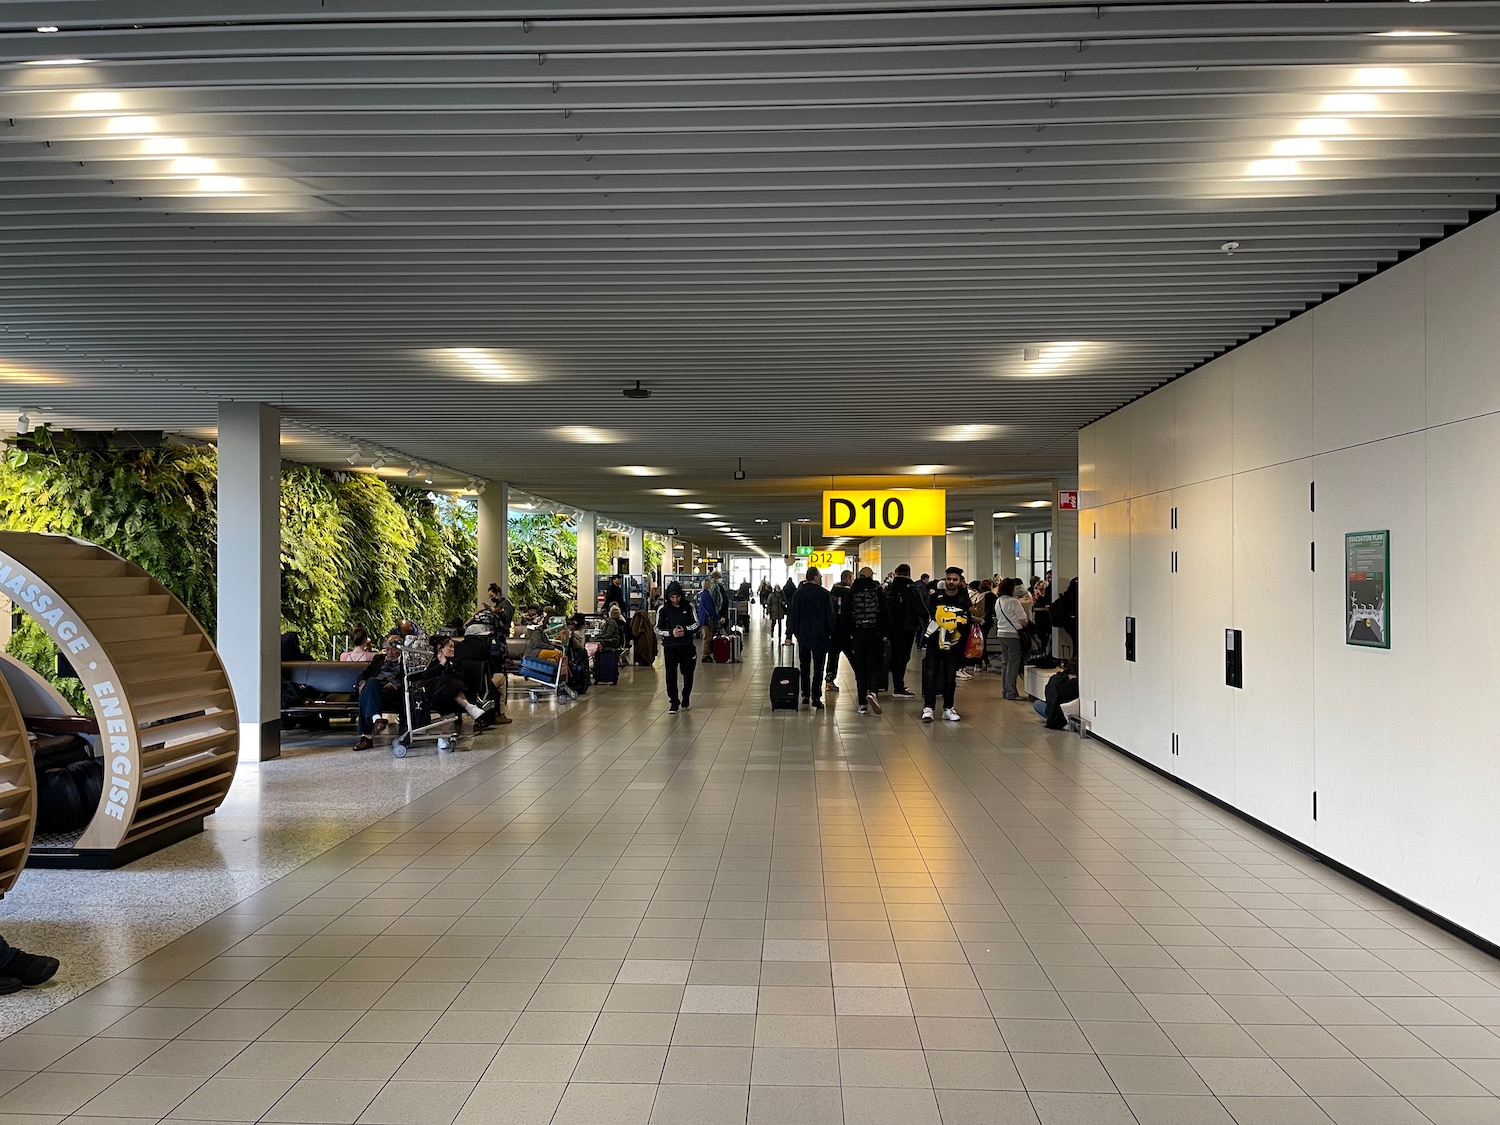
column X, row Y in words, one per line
column 1462, row 622
column 1104, row 673
column 1273, row 396
column 1205, row 423
column 1373, row 726
column 1153, row 465
column 1203, row 607
column 1369, row 372
column 1088, row 466
column 1388, row 397
column 1463, row 325
column 1112, row 458
column 1273, row 600
column 1151, row 684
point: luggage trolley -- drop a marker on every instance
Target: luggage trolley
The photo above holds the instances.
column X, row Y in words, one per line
column 414, row 660
column 546, row 670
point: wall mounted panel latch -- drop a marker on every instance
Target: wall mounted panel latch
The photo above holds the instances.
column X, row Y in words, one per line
column 1234, row 658
column 1130, row 639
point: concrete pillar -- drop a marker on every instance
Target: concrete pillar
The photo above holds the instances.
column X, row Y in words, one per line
column 588, row 563
column 939, row 556
column 494, row 538
column 1005, row 547
column 984, row 544
column 638, row 550
column 249, row 600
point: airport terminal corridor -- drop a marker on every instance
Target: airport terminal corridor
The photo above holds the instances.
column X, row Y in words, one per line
column 616, row 916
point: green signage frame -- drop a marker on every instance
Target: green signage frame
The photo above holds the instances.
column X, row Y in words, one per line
column 1367, row 589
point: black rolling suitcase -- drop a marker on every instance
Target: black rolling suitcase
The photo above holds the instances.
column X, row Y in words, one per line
column 784, row 689
column 606, row 666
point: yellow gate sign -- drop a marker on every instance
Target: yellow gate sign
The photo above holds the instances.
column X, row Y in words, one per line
column 825, row 559
column 914, row 511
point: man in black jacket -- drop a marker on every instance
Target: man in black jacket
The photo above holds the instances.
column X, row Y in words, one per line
column 908, row 614
column 811, row 621
column 839, row 594
column 677, row 626
column 865, row 620
column 380, row 690
column 947, row 634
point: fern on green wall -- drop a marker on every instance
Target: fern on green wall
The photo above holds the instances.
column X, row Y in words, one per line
column 354, row 549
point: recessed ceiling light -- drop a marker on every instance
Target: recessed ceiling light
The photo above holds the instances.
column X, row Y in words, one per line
column 928, row 470
column 1004, row 515
column 1298, row 146
column 482, row 363
column 47, row 29
column 640, row 471
column 59, row 62
column 1274, row 169
column 803, row 519
column 1413, row 33
column 960, row 528
column 671, row 492
column 1324, row 127
column 95, row 101
column 762, row 521
column 587, row 435
column 690, row 506
column 709, row 516
column 966, row 431
column 1037, row 504
column 130, row 125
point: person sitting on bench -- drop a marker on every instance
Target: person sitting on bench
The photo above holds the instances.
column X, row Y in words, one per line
column 379, row 691
column 1061, row 703
column 444, row 686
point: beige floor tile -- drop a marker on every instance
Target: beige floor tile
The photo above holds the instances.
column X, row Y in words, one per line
column 233, row 1099
column 325, row 1101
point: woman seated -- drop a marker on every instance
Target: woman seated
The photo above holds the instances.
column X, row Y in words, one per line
column 360, row 648
column 612, row 632
column 444, row 686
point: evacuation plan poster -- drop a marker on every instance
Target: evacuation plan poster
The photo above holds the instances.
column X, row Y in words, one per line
column 1367, row 564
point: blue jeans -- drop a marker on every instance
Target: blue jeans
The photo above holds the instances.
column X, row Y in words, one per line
column 372, row 703
column 1041, row 707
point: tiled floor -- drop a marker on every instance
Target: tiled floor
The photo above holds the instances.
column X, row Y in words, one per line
column 733, row 916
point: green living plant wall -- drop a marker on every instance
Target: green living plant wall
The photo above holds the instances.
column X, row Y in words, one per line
column 354, row 549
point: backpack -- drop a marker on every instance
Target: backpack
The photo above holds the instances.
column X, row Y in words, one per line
column 976, row 608
column 864, row 607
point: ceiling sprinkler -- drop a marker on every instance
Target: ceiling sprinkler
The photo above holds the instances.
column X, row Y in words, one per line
column 1229, row 248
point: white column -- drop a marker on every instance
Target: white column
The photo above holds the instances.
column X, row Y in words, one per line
column 249, row 598
column 1005, row 547
column 494, row 538
column 588, row 563
column 984, row 543
column 638, row 550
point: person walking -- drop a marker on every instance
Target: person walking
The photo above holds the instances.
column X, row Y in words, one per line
column 839, row 594
column 776, row 607
column 763, row 593
column 811, row 621
column 677, row 625
column 614, row 594
column 867, row 620
column 19, row 969
column 708, row 618
column 908, row 614
column 1010, row 627
column 947, row 634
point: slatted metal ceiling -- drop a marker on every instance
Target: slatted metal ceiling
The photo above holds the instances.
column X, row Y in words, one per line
column 832, row 239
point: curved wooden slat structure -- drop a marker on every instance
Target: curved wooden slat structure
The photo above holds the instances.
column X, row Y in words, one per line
column 17, row 791
column 168, row 729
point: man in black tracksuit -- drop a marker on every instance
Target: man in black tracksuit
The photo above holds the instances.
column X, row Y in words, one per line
column 865, row 620
column 840, row 596
column 947, row 633
column 677, row 626
column 908, row 614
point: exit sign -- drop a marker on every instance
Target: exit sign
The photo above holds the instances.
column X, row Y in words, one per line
column 804, row 551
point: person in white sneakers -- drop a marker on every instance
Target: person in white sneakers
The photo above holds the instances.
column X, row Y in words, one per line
column 947, row 634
